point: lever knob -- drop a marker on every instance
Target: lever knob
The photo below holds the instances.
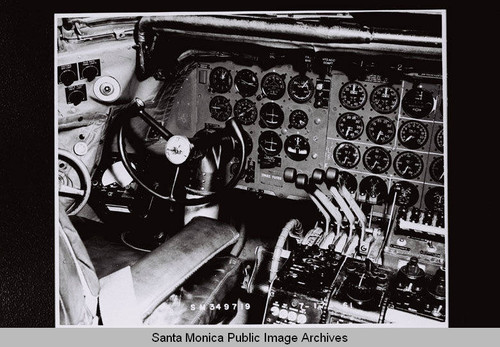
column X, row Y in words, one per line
column 301, row 181
column 331, row 175
column 318, row 176
column 290, row 175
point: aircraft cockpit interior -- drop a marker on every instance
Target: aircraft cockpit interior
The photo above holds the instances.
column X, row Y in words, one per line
column 251, row 168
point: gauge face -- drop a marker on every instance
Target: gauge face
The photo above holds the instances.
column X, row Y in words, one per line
column 298, row 119
column 418, row 102
column 377, row 160
column 439, row 140
column 348, row 180
column 380, row 130
column 271, row 115
column 270, row 143
column 246, row 82
column 408, row 194
column 436, row 169
column 374, row 188
column 434, row 199
column 245, row 111
column 346, row 155
column 408, row 165
column 352, row 95
column 350, row 126
column 220, row 80
column 301, row 88
column 273, row 86
column 413, row 134
column 297, row 147
column 220, row 108
column 384, row 99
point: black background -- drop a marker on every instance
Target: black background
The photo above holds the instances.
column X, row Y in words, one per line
column 27, row 290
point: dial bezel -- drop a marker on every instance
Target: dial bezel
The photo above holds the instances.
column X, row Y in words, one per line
column 374, row 96
column 386, row 157
column 419, row 126
column 281, row 85
column 216, row 101
column 354, row 151
column 399, row 157
column 252, row 110
column 292, row 88
column 263, row 115
column 391, row 129
column 358, row 131
column 342, row 96
column 241, row 76
column 266, row 151
column 214, row 80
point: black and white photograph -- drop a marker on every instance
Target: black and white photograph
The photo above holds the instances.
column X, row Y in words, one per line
column 251, row 168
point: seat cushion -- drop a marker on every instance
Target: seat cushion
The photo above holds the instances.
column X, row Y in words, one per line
column 208, row 297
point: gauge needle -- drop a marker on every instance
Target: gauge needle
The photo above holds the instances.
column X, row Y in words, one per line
column 216, row 107
column 380, row 133
column 374, row 164
column 248, row 83
column 348, row 131
column 406, row 169
column 244, row 111
column 408, row 138
column 441, row 177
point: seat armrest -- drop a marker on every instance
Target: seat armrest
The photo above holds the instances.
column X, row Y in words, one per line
column 157, row 275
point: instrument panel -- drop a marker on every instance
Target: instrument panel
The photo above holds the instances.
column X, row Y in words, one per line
column 375, row 130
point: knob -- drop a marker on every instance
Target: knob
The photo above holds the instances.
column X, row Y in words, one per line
column 289, row 175
column 301, row 181
column 412, row 270
column 415, row 215
column 89, row 72
column 318, row 176
column 67, row 77
column 331, row 175
column 437, row 284
column 76, row 97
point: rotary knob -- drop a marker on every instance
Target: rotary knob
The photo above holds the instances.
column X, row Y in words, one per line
column 89, row 72
column 67, row 77
column 76, row 97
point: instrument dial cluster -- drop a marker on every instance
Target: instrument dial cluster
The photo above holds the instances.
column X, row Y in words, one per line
column 390, row 129
column 370, row 127
column 282, row 110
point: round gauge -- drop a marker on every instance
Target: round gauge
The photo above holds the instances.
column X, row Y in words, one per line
column 273, row 86
column 270, row 143
column 297, row 147
column 352, row 95
column 245, row 111
column 384, row 99
column 348, row 180
column 408, row 164
column 380, row 130
column 346, row 155
column 413, row 134
column 350, row 126
column 434, row 199
column 220, row 108
column 246, row 82
column 298, row 119
column 374, row 188
column 418, row 102
column 408, row 194
column 301, row 88
column 271, row 115
column 439, row 140
column 220, row 80
column 436, row 169
column 377, row 160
